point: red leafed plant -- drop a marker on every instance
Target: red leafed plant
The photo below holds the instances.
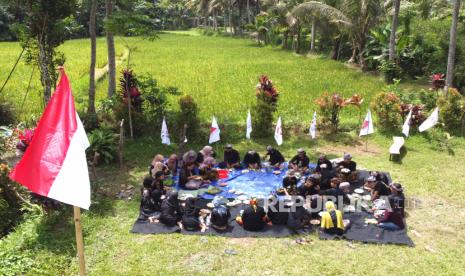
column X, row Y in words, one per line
column 25, row 139
column 266, row 90
column 417, row 113
column 330, row 107
column 438, row 80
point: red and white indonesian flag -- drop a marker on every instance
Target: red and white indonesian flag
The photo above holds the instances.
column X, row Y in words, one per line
column 214, row 132
column 431, row 121
column 278, row 132
column 312, row 131
column 249, row 126
column 367, row 126
column 406, row 126
column 165, row 136
column 54, row 165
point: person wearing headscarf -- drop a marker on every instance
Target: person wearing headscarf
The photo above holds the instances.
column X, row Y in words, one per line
column 220, row 215
column 309, row 188
column 275, row 156
column 332, row 221
column 274, row 212
column 191, row 216
column 290, row 183
column 252, row 160
column 323, row 163
column 189, row 157
column 171, row 211
column 189, row 177
column 231, row 158
column 397, row 195
column 253, row 218
column 207, row 170
column 172, row 164
column 347, row 163
column 207, row 151
column 391, row 219
column 300, row 162
column 158, row 164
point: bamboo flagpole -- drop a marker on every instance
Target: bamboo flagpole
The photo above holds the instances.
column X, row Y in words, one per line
column 79, row 241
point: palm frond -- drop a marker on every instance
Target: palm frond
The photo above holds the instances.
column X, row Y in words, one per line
column 320, row 10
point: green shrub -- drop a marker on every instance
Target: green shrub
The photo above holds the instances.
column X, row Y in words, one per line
column 265, row 106
column 452, row 111
column 103, row 142
column 9, row 203
column 390, row 70
column 7, row 116
column 387, row 107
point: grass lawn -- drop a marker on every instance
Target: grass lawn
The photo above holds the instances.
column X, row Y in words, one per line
column 221, row 73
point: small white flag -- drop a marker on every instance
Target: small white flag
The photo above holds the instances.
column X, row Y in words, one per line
column 431, row 121
column 214, row 132
column 165, row 136
column 249, row 126
column 406, row 126
column 278, row 132
column 367, row 126
column 313, row 126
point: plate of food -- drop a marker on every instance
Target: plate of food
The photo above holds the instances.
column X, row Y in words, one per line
column 345, row 170
column 213, row 190
column 210, row 205
column 359, row 191
column 245, row 171
column 223, row 184
column 277, row 172
column 315, row 222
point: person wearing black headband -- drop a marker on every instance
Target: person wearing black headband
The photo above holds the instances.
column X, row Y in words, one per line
column 171, row 211
column 148, row 206
column 290, row 183
column 220, row 216
column 323, row 164
column 275, row 156
column 277, row 215
column 300, row 162
column 309, row 188
column 231, row 158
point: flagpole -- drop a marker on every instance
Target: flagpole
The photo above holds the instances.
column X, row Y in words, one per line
column 79, row 240
column 366, row 143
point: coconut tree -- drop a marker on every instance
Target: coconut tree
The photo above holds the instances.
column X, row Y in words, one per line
column 392, row 39
column 313, row 11
column 93, row 54
column 111, row 51
column 452, row 46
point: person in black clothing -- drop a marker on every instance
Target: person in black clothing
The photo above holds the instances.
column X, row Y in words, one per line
column 253, row 218
column 191, row 217
column 171, row 211
column 189, row 177
column 323, row 163
column 380, row 176
column 347, row 163
column 290, row 183
column 274, row 214
column 325, row 176
column 300, row 162
column 275, row 156
column 220, row 216
column 398, row 198
column 252, row 160
column 335, row 194
column 148, row 206
column 231, row 158
column 309, row 188
column 378, row 188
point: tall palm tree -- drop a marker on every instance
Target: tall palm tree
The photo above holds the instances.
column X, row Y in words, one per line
column 111, row 51
column 392, row 39
column 313, row 10
column 452, row 46
column 93, row 54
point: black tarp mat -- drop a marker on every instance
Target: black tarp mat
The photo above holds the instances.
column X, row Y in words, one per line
column 369, row 233
column 234, row 230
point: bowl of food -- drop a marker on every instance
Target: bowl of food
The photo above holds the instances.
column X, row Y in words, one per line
column 315, row 222
column 359, row 191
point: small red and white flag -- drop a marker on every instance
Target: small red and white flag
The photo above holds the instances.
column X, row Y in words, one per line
column 278, row 132
column 214, row 132
column 431, row 121
column 54, row 165
column 367, row 126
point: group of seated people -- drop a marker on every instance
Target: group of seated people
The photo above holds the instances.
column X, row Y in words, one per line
column 329, row 182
